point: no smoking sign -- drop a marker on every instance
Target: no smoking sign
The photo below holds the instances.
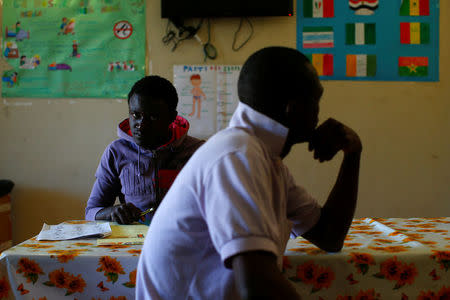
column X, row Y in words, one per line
column 123, row 30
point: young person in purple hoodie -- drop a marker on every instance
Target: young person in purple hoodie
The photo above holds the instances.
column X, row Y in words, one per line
column 141, row 165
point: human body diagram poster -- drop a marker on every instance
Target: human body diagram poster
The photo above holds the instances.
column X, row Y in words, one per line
column 385, row 40
column 72, row 48
column 207, row 96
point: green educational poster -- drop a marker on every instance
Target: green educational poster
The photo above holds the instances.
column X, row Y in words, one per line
column 72, row 48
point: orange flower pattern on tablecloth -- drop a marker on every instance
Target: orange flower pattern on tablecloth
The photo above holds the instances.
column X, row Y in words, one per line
column 83, row 244
column 30, row 269
column 309, row 250
column 114, row 246
column 362, row 295
column 135, row 252
column 36, row 246
column 132, row 282
column 102, row 287
column 4, row 288
column 118, row 298
column 311, row 274
column 65, row 280
column 110, row 267
column 442, row 294
column 390, row 249
column 63, row 256
column 397, row 271
column 361, row 261
column 442, row 258
column 22, row 290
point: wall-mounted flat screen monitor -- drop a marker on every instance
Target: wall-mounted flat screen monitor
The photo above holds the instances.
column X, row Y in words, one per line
column 225, row 8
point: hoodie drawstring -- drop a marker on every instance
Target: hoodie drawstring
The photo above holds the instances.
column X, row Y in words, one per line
column 139, row 158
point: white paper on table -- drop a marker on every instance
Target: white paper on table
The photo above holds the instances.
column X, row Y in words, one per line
column 67, row 231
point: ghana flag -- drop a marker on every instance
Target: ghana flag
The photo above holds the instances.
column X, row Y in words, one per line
column 360, row 34
column 415, row 8
column 323, row 63
column 414, row 33
column 413, row 66
column 361, row 65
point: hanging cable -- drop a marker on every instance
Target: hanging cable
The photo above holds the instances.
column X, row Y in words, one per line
column 208, row 49
column 237, row 31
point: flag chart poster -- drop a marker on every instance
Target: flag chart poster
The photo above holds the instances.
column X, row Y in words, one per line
column 207, row 96
column 72, row 48
column 377, row 40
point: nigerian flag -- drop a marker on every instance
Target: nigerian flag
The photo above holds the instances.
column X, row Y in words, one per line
column 360, row 34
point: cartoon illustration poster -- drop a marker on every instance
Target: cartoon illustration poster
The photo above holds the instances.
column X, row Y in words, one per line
column 392, row 40
column 72, row 48
column 207, row 96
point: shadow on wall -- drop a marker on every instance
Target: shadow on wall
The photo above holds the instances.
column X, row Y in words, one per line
column 31, row 207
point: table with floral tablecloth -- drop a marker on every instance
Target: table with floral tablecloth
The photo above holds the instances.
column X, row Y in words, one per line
column 401, row 259
column 382, row 259
column 74, row 269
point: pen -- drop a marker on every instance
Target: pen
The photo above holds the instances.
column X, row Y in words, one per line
column 147, row 211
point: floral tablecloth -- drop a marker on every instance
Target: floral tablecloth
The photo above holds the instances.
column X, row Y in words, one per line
column 382, row 259
column 401, row 259
column 75, row 269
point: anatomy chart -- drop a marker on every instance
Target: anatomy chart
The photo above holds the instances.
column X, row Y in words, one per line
column 207, row 96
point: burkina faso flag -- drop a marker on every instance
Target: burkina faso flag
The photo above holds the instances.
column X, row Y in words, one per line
column 413, row 66
column 415, row 8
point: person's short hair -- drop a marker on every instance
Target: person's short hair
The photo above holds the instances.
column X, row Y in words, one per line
column 195, row 76
column 274, row 75
column 156, row 87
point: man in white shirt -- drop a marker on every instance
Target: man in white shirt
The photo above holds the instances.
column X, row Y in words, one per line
column 221, row 230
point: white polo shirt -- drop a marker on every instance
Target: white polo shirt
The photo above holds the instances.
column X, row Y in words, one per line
column 234, row 195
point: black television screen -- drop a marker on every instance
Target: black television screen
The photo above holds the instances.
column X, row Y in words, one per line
column 225, row 8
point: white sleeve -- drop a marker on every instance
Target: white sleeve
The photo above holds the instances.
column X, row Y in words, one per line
column 238, row 207
column 302, row 208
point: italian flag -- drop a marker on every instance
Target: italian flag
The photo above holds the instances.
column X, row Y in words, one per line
column 318, row 8
column 414, row 33
column 361, row 65
column 360, row 34
column 413, row 66
column 323, row 63
column 415, row 8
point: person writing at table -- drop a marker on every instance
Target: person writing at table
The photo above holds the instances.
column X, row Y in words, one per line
column 140, row 166
column 222, row 229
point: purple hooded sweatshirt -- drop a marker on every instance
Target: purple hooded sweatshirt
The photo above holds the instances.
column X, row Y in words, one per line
column 137, row 175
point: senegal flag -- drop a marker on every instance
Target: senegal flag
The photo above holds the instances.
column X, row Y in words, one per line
column 323, row 63
column 361, row 65
column 413, row 66
column 415, row 8
column 414, row 33
column 318, row 8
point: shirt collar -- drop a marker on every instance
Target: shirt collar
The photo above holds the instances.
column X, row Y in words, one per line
column 272, row 133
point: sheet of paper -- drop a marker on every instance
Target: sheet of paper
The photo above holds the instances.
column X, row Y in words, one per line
column 227, row 96
column 196, row 87
column 125, row 235
column 68, row 231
